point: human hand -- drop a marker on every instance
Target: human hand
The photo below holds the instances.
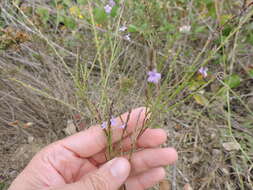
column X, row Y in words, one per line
column 78, row 162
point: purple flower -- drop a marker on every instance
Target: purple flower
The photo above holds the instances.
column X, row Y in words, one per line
column 113, row 122
column 112, row 3
column 108, row 9
column 154, row 76
column 109, row 6
column 203, row 71
column 104, row 125
column 122, row 126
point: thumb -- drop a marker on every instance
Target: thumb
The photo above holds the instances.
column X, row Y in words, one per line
column 109, row 177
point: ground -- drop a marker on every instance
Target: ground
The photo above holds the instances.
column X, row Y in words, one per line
column 65, row 65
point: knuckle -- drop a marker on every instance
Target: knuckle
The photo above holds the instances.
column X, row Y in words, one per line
column 96, row 182
column 145, row 164
column 140, row 164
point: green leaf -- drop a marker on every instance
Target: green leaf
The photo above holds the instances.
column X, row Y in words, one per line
column 2, row 23
column 17, row 2
column 233, row 81
column 70, row 23
column 114, row 11
column 211, row 8
column 82, row 2
column 194, row 85
column 200, row 29
column 200, row 99
column 225, row 18
column 2, row 186
column 100, row 15
column 227, row 30
column 251, row 73
column 168, row 27
column 67, row 2
column 250, row 38
column 60, row 16
column 132, row 28
column 60, row 19
column 44, row 14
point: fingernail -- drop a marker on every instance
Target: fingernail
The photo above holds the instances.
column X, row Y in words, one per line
column 120, row 167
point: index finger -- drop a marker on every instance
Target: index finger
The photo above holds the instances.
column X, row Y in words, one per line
column 93, row 140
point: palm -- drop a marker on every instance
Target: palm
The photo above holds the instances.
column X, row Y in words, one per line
column 63, row 169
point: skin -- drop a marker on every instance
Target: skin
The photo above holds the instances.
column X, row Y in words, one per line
column 78, row 162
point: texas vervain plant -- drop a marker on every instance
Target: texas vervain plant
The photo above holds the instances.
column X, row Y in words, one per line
column 187, row 61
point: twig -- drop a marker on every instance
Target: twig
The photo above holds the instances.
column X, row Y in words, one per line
column 242, row 96
column 182, row 175
column 174, row 177
column 180, row 122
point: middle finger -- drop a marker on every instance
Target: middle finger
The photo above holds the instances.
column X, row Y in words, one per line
column 150, row 138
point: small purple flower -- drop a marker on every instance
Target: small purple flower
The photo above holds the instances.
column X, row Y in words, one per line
column 113, row 122
column 112, row 3
column 108, row 9
column 154, row 76
column 203, row 71
column 122, row 28
column 122, row 126
column 104, row 125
